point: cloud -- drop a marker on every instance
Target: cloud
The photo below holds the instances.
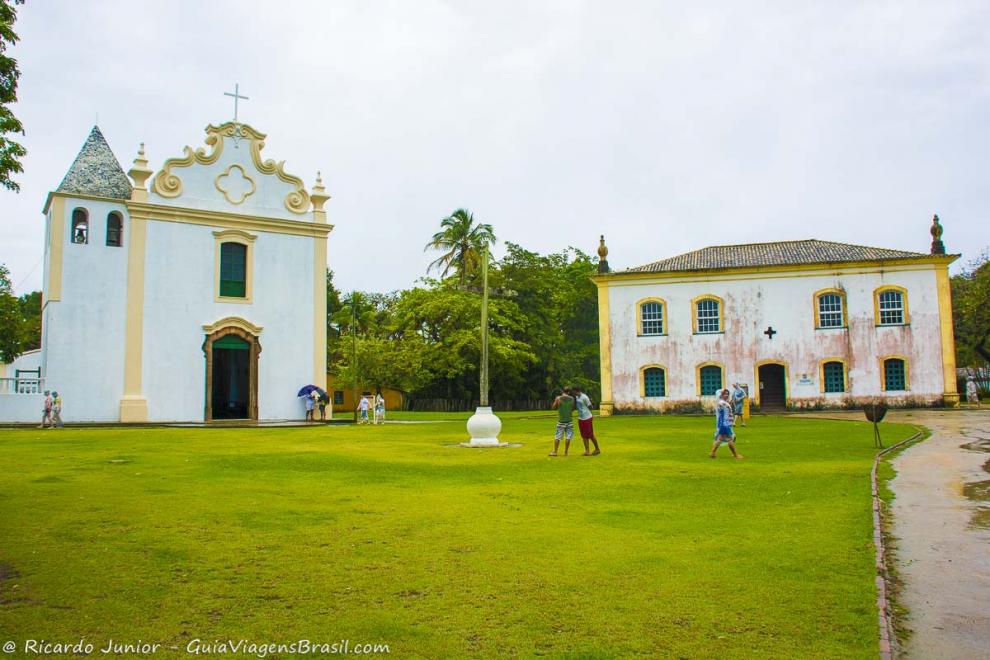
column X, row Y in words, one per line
column 666, row 127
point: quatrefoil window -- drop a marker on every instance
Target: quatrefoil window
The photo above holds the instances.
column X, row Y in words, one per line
column 235, row 185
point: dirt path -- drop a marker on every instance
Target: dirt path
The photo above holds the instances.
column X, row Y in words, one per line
column 941, row 516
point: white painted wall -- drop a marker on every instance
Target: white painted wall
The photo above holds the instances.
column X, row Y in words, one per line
column 83, row 333
column 179, row 300
column 20, row 407
column 752, row 303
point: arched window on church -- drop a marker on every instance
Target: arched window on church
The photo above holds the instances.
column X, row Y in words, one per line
column 233, row 270
column 80, row 226
column 115, row 229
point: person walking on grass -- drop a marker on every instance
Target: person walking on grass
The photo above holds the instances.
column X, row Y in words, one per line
column 379, row 409
column 723, row 424
column 738, row 394
column 46, row 413
column 564, row 405
column 57, row 411
column 363, row 407
column 585, row 421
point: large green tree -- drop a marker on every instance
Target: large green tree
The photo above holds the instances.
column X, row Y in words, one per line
column 971, row 313
column 30, row 305
column 11, row 152
column 462, row 242
column 11, row 320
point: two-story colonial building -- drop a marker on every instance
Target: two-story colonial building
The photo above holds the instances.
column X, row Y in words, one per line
column 801, row 323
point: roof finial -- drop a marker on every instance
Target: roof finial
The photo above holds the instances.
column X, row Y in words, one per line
column 139, row 173
column 602, row 254
column 938, row 247
column 319, row 197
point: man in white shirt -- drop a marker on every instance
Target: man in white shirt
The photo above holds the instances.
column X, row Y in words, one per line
column 585, row 424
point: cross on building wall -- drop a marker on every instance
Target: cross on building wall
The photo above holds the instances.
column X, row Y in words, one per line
column 770, row 332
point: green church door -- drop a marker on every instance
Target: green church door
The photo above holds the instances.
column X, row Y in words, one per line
column 231, row 378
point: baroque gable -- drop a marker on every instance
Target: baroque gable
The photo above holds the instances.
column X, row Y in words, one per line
column 230, row 175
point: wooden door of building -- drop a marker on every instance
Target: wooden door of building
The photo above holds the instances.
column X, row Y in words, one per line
column 773, row 388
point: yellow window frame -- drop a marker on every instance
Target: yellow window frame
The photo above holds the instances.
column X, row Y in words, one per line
column 694, row 314
column 642, row 380
column 831, row 291
column 845, row 374
column 639, row 317
column 883, row 371
column 904, row 303
column 697, row 375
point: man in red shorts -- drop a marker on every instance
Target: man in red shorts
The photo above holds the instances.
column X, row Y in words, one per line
column 585, row 424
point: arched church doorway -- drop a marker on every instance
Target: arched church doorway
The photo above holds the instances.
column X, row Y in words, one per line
column 773, row 387
column 231, row 374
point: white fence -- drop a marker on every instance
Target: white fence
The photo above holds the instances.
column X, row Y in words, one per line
column 22, row 385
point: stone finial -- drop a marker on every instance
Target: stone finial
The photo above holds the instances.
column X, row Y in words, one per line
column 602, row 254
column 140, row 172
column 938, row 247
column 319, row 194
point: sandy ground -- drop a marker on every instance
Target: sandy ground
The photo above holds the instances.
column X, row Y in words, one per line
column 941, row 516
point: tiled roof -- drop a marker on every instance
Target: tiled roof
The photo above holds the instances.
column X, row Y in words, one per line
column 96, row 171
column 782, row 253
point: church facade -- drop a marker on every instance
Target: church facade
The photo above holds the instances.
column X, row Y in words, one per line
column 801, row 324
column 194, row 293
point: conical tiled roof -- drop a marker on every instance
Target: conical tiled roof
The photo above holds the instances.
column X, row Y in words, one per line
column 96, row 171
column 783, row 253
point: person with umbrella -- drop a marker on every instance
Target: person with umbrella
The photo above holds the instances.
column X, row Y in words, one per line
column 312, row 394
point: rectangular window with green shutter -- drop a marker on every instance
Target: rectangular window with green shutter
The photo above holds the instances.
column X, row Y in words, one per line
column 233, row 270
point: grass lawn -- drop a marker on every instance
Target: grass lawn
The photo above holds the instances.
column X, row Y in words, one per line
column 388, row 535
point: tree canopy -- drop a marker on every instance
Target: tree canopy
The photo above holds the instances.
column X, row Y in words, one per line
column 11, row 152
column 971, row 313
column 462, row 242
column 426, row 340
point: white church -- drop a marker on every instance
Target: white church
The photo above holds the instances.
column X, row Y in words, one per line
column 194, row 293
column 800, row 324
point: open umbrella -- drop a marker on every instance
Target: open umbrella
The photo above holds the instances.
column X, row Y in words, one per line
column 305, row 391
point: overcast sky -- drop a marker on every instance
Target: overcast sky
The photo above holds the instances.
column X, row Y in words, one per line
column 667, row 126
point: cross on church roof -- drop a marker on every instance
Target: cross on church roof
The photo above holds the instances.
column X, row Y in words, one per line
column 237, row 96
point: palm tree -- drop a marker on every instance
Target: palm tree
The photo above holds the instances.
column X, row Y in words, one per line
column 462, row 241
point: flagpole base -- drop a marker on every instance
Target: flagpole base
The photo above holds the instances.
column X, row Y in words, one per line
column 483, row 427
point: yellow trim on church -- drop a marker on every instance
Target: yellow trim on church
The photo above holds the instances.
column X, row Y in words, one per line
column 227, row 220
column 56, row 243
column 133, row 405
